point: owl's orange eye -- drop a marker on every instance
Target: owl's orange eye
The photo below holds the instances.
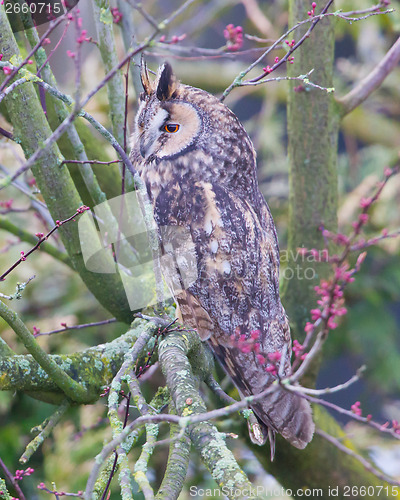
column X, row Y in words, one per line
column 171, row 128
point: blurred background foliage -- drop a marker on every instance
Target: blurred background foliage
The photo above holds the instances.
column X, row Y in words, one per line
column 369, row 141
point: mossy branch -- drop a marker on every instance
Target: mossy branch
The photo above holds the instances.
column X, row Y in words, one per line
column 157, row 403
column 183, row 385
column 177, row 464
column 61, row 111
column 126, row 373
column 45, row 432
column 4, row 494
column 95, row 367
column 129, row 35
column 72, row 389
column 115, row 86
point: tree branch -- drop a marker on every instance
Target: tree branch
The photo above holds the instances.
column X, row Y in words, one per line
column 372, row 81
column 177, row 464
column 96, row 366
column 74, row 390
column 182, row 385
column 45, row 431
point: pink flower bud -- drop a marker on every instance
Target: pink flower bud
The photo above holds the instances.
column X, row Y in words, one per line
column 260, row 359
column 271, row 369
column 275, row 356
column 356, row 408
column 315, row 314
column 365, row 202
column 331, row 323
column 388, row 171
column 360, row 259
column 255, row 334
column 309, row 327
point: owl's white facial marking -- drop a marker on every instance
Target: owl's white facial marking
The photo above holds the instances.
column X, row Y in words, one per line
column 149, row 137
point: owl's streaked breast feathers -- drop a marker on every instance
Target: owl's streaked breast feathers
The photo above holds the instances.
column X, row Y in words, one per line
column 199, row 167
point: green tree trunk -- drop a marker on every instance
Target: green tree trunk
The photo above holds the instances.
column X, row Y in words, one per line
column 313, row 124
column 313, row 120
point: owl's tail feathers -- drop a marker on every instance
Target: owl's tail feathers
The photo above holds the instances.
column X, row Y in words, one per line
column 281, row 411
column 288, row 414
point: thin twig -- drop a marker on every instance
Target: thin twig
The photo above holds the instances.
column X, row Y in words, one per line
column 7, row 134
column 328, row 390
column 302, row 78
column 364, row 11
column 96, row 162
column 138, row 6
column 11, row 479
column 40, row 241
column 365, row 420
column 239, row 79
column 53, row 25
column 373, row 241
column 365, row 463
column 78, row 327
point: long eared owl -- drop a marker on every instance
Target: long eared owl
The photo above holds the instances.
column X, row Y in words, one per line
column 199, row 167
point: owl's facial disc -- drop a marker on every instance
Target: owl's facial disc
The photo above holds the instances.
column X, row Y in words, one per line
column 172, row 129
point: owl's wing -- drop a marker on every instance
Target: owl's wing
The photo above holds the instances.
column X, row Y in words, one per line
column 236, row 293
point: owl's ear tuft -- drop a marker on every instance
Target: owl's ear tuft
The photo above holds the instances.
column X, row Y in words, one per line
column 144, row 76
column 167, row 83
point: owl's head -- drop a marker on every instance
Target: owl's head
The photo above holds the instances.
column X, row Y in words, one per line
column 166, row 124
column 175, row 119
